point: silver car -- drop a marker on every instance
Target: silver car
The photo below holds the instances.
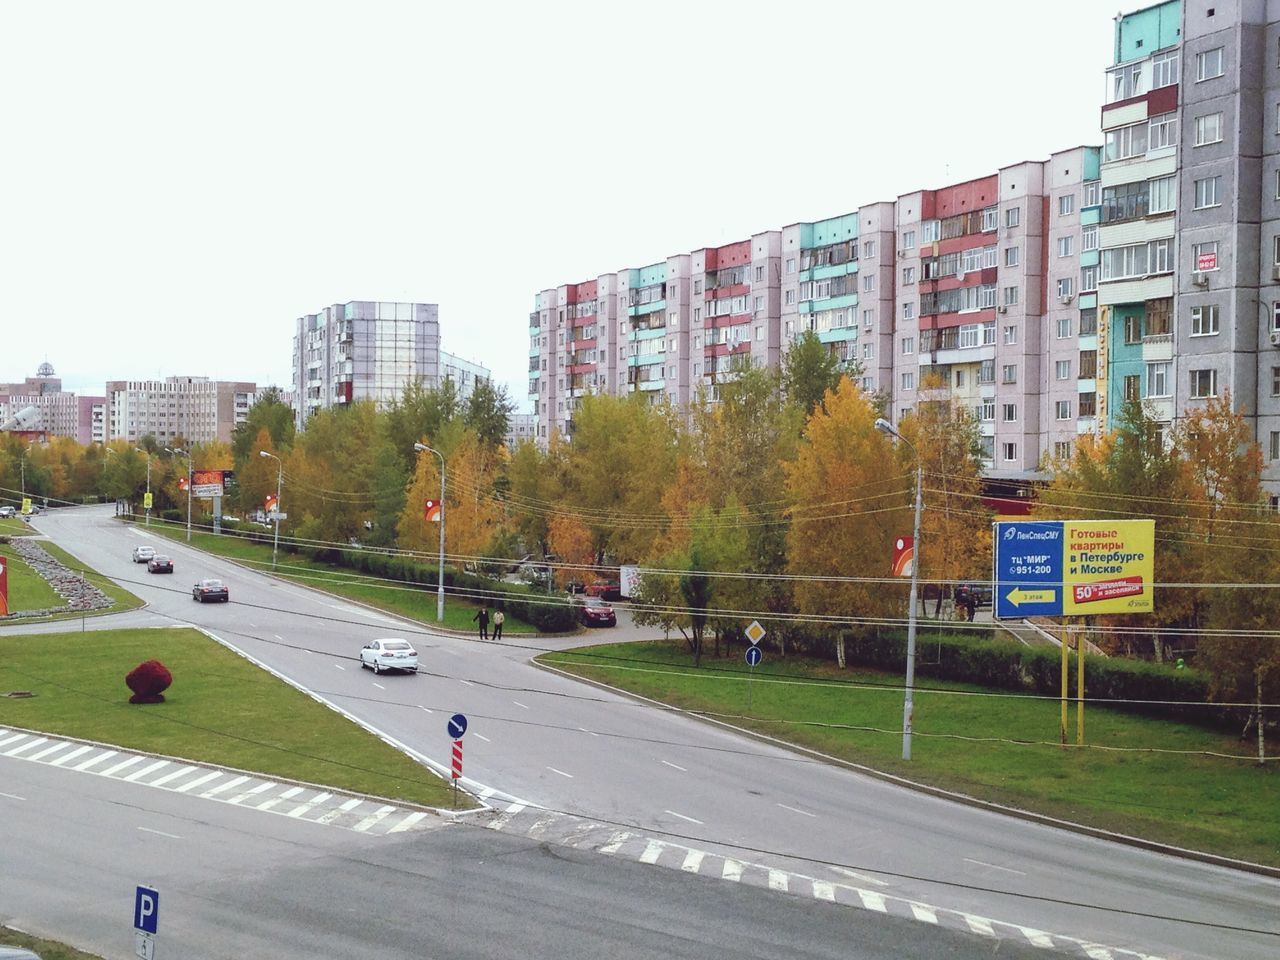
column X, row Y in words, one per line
column 142, row 553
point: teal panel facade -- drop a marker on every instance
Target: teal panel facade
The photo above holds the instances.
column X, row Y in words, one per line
column 834, row 230
column 835, row 303
column 640, row 309
column 1143, row 32
column 1123, row 359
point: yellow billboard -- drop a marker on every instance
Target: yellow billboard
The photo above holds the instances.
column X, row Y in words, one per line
column 1109, row 566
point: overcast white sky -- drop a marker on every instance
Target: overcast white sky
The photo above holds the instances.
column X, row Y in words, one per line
column 181, row 181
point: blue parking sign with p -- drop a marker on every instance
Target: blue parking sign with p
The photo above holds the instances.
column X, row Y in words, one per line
column 146, row 910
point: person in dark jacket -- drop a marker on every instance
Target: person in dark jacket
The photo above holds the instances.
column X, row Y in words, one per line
column 482, row 615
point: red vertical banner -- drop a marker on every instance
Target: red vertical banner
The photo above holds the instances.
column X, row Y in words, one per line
column 4, row 586
column 457, row 759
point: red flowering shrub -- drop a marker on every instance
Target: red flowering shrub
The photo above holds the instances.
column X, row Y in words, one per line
column 148, row 681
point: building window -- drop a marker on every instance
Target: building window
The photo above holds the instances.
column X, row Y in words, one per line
column 1088, row 404
column 1064, row 328
column 1009, row 412
column 959, row 378
column 1162, row 131
column 908, row 239
column 908, row 276
column 869, row 283
column 908, row 381
column 1207, row 192
column 868, row 317
column 1164, row 70
column 908, row 311
column 987, row 410
column 1010, row 296
column 791, row 266
column 1162, row 256
column 868, row 249
column 1010, row 452
column 1011, row 333
column 930, row 231
column 1092, row 193
column 1066, row 204
column 1275, row 381
column 1089, row 238
column 1062, row 369
column 1204, row 383
column 1275, row 445
column 759, row 274
column 1066, row 246
column 1158, row 379
column 1088, row 279
column 1204, row 320
column 1009, row 373
column 759, row 333
column 1208, row 129
column 1125, row 142
column 1275, row 316
column 1133, row 328
column 1062, row 410
column 1132, row 386
column 790, row 298
column 990, row 219
column 1013, row 216
column 1088, row 366
column 987, row 371
column 1066, row 288
column 1010, row 256
column 1162, row 194
column 1204, row 256
column 1209, row 64
column 908, row 345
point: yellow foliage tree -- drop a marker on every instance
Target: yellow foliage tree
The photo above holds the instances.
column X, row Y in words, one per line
column 471, row 510
column 570, row 539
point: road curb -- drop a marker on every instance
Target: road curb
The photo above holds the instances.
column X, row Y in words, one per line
column 1019, row 813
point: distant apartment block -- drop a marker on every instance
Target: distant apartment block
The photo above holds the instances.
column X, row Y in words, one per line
column 60, row 413
column 194, row 409
column 1044, row 295
column 367, row 350
column 521, row 427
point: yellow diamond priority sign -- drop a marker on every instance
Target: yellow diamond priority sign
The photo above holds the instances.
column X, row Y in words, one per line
column 755, row 632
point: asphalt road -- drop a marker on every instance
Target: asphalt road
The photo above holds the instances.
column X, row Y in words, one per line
column 553, row 742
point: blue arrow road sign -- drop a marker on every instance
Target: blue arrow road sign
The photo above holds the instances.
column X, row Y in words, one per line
column 457, row 726
column 1028, row 569
column 146, row 910
column 754, row 656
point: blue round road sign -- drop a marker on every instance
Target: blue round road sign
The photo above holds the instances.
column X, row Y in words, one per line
column 457, row 725
column 754, row 656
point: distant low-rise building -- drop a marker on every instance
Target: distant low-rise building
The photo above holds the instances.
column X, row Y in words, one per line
column 521, row 426
column 61, row 413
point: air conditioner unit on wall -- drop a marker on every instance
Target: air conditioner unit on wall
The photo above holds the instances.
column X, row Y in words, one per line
column 1200, row 279
column 1067, row 297
column 1002, row 309
column 1275, row 272
column 1275, row 338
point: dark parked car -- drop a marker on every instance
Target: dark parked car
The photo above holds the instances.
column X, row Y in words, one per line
column 594, row 612
column 159, row 564
column 210, row 591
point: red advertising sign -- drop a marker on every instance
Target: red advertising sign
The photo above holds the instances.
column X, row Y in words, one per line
column 1106, row 589
column 4, row 586
column 904, row 555
column 1206, row 261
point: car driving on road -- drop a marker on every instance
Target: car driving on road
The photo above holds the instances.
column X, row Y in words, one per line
column 594, row 612
column 142, row 553
column 210, row 591
column 390, row 654
column 159, row 564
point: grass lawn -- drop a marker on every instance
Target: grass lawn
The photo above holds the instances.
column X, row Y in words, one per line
column 14, row 527
column 415, row 601
column 46, row 949
column 220, row 709
column 27, row 589
column 997, row 748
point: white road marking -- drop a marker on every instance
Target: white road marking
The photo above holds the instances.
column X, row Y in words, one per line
column 424, row 709
column 675, row 766
column 482, row 737
column 467, row 683
column 380, row 686
column 305, row 650
column 561, row 772
column 872, row 901
column 411, row 820
column 48, row 750
column 233, row 782
column 928, row 916
column 12, row 796
column 260, row 788
column 192, row 784
column 683, row 817
column 797, row 810
column 979, row 925
column 861, row 877
column 1038, row 938
column 311, row 804
column 161, row 833
column 113, row 770
column 14, row 739
column 592, row 732
column 732, row 869
column 652, row 851
column 824, row 891
column 778, row 880
column 340, row 666
column 615, row 842
column 1093, row 951
column 380, row 814
column 79, row 751
column 149, row 768
column 993, row 866
column 14, row 751
column 106, row 755
column 278, row 637
column 161, row 781
column 692, row 861
column 287, row 795
column 520, row 705
column 333, row 815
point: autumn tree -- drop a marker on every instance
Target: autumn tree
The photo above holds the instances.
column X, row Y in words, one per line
column 535, row 483
column 269, row 413
column 845, row 510
column 487, row 411
column 809, row 371
column 472, row 512
column 570, row 540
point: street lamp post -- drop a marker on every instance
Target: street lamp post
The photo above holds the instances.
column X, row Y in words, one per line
column 179, row 452
column 422, row 447
column 147, row 453
column 275, row 545
column 907, row 705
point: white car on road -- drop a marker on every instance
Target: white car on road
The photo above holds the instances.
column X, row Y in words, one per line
column 392, row 654
column 142, row 553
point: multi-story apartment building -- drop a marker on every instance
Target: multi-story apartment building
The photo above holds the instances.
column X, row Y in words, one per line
column 521, row 427
column 1044, row 295
column 60, row 413
column 367, row 350
column 194, row 409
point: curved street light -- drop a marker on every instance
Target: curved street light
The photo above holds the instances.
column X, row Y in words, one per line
column 885, row 427
column 275, row 545
column 423, row 448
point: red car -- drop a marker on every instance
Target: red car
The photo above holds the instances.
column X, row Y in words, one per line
column 608, row 589
column 594, row 612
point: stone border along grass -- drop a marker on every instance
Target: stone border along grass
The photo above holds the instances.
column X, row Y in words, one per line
column 81, row 595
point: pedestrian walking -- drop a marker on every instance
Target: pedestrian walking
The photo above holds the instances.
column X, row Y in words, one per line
column 482, row 615
column 498, row 619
